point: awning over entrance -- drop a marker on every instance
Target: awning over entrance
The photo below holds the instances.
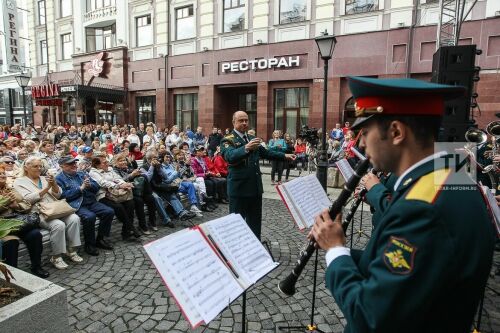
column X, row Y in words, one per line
column 100, row 91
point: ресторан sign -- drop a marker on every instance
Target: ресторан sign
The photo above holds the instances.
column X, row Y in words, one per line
column 246, row 65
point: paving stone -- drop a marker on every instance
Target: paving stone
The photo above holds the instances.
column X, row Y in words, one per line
column 120, row 290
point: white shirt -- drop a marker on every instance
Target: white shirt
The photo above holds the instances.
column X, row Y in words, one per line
column 335, row 252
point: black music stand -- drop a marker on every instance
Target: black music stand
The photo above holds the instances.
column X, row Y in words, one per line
column 312, row 327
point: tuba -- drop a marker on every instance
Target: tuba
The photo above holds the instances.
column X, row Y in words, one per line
column 475, row 135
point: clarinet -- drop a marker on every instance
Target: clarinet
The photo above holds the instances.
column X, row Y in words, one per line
column 352, row 210
column 287, row 285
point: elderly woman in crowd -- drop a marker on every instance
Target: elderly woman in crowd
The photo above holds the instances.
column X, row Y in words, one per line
column 109, row 180
column 143, row 194
column 203, row 168
column 11, row 169
column 64, row 232
column 150, row 137
column 173, row 138
column 30, row 148
column 32, row 238
column 20, row 157
column 133, row 137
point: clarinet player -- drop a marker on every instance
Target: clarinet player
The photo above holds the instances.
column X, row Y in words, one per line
column 426, row 265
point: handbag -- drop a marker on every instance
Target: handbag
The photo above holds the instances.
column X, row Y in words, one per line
column 55, row 209
column 119, row 195
column 31, row 221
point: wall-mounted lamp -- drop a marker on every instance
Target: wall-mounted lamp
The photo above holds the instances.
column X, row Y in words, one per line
column 205, row 49
column 259, row 41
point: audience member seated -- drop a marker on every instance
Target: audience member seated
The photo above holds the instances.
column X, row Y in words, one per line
column 80, row 191
column 167, row 192
column 31, row 237
column 216, row 186
column 116, row 193
column 142, row 192
column 64, row 232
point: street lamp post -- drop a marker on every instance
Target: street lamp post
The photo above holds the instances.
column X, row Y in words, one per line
column 326, row 44
column 23, row 80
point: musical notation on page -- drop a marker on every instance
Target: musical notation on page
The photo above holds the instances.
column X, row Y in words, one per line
column 305, row 198
column 188, row 262
column 240, row 246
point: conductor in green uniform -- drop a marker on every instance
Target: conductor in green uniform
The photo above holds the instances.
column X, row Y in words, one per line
column 426, row 264
column 244, row 184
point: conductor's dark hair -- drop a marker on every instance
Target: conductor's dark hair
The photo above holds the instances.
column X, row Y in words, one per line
column 424, row 128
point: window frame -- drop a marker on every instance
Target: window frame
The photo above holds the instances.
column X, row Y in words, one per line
column 224, row 9
column 63, row 42
column 102, row 36
column 307, row 3
column 40, row 2
column 194, row 111
column 302, row 91
column 43, row 55
column 137, row 18
column 376, row 6
column 140, row 102
column 68, row 3
column 176, row 17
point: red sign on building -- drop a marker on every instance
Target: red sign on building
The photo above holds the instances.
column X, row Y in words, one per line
column 46, row 90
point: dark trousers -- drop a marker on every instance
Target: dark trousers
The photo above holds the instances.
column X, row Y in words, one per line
column 276, row 167
column 88, row 214
column 286, row 166
column 251, row 210
column 139, row 202
column 216, row 187
column 124, row 212
column 33, row 241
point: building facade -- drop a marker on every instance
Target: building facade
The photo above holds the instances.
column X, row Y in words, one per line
column 14, row 60
column 108, row 60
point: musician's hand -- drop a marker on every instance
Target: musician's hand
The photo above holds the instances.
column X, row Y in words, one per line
column 498, row 199
column 253, row 144
column 369, row 180
column 496, row 159
column 327, row 233
column 290, row 157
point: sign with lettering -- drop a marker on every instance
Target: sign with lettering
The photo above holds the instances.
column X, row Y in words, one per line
column 246, row 65
column 46, row 90
column 11, row 29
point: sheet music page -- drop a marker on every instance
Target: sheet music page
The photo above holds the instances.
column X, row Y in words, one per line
column 241, row 247
column 492, row 203
column 187, row 260
column 308, row 196
column 291, row 207
column 345, row 169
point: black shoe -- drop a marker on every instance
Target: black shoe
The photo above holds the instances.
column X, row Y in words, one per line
column 40, row 272
column 103, row 244
column 145, row 231
column 136, row 233
column 130, row 238
column 206, row 208
column 170, row 224
column 91, row 250
column 224, row 201
column 212, row 206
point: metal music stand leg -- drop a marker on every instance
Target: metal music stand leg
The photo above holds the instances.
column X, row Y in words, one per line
column 243, row 313
column 352, row 232
column 268, row 248
column 312, row 326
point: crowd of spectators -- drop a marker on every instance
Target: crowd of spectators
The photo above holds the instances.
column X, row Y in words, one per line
column 104, row 172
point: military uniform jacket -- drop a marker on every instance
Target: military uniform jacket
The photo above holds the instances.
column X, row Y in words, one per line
column 426, row 264
column 244, row 177
column 379, row 197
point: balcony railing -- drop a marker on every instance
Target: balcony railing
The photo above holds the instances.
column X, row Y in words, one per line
column 100, row 13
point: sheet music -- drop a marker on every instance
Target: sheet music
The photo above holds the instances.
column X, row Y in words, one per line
column 492, row 203
column 345, row 169
column 240, row 246
column 201, row 280
column 308, row 197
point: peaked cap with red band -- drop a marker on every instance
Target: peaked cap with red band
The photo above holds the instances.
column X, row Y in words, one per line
column 405, row 97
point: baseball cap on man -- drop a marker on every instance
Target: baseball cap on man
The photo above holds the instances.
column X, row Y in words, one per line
column 200, row 147
column 67, row 160
column 86, row 149
column 400, row 97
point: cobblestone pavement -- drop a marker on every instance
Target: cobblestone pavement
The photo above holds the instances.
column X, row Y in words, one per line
column 120, row 291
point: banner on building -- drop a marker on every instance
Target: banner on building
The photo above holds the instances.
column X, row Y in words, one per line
column 11, row 30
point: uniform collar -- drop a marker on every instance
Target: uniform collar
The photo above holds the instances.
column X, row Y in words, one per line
column 241, row 135
column 406, row 178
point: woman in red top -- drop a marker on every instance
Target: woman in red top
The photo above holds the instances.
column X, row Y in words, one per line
column 300, row 152
column 219, row 163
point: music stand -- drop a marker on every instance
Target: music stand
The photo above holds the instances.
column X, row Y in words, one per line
column 312, row 327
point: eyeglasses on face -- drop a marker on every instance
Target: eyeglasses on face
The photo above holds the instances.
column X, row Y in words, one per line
column 9, row 162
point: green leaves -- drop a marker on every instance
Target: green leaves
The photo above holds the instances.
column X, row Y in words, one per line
column 9, row 225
